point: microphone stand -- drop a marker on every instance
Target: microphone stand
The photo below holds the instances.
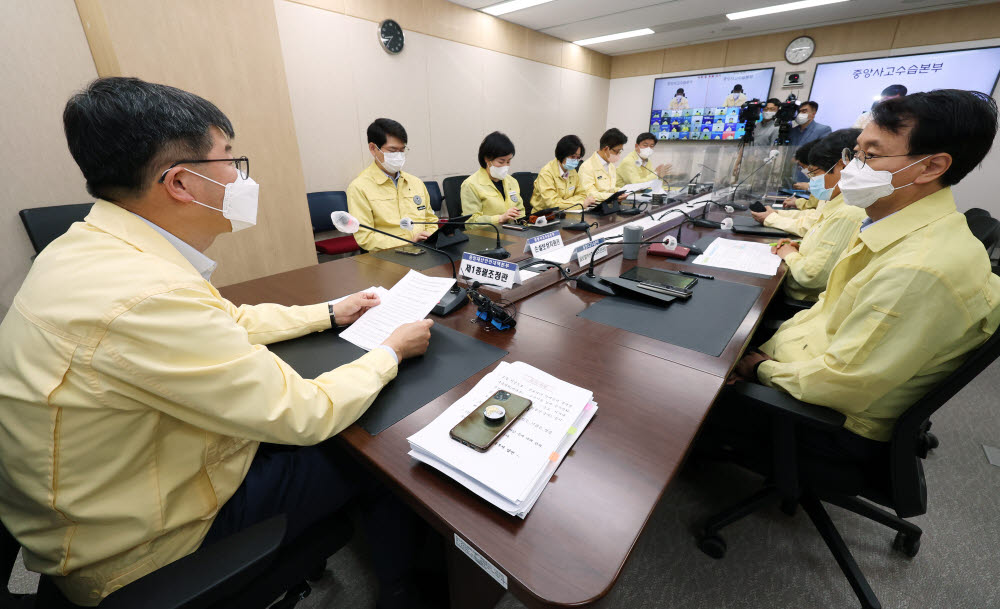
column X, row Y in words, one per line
column 582, row 224
column 498, row 252
column 456, row 298
column 732, row 198
column 593, row 283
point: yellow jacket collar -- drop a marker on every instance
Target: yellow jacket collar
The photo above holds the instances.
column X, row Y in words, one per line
column 130, row 228
column 632, row 157
column 914, row 216
column 376, row 174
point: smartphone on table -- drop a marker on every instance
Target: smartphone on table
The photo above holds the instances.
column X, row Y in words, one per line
column 490, row 420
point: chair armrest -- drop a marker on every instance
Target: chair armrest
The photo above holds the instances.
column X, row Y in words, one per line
column 208, row 575
column 782, row 404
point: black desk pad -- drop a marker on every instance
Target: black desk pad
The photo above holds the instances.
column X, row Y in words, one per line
column 451, row 358
column 429, row 260
column 705, row 322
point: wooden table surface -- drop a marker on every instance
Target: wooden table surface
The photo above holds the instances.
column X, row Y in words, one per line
column 652, row 398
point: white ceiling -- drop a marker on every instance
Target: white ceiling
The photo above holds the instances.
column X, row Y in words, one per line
column 680, row 22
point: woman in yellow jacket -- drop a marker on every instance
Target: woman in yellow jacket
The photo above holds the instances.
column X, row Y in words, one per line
column 491, row 194
column 811, row 261
column 558, row 183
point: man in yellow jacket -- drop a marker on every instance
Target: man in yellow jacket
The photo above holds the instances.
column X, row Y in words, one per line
column 558, row 183
column 597, row 174
column 384, row 194
column 635, row 167
column 913, row 294
column 133, row 397
column 811, row 260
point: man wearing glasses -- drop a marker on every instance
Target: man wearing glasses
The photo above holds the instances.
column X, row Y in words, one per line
column 140, row 410
column 384, row 194
column 913, row 293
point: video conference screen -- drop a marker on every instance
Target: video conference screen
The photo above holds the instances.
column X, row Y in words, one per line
column 705, row 106
column 846, row 89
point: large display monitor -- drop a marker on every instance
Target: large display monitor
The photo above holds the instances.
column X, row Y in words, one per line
column 846, row 89
column 705, row 106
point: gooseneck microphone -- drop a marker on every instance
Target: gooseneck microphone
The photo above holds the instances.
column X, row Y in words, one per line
column 593, row 283
column 498, row 252
column 452, row 301
column 582, row 224
column 771, row 156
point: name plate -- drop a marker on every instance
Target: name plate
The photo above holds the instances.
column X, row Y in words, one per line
column 489, row 271
column 544, row 243
column 592, row 249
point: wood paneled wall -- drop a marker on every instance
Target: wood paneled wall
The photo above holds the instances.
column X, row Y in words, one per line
column 936, row 27
column 457, row 23
column 229, row 53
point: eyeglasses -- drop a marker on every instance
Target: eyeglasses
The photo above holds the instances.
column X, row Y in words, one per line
column 849, row 155
column 242, row 165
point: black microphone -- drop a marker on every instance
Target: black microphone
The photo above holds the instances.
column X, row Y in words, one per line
column 498, row 252
column 452, row 301
column 582, row 224
column 593, row 283
column 770, row 159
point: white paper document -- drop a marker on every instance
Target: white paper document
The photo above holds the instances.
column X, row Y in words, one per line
column 653, row 184
column 746, row 256
column 514, row 471
column 411, row 299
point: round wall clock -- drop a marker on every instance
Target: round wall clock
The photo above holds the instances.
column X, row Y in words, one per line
column 390, row 36
column 800, row 50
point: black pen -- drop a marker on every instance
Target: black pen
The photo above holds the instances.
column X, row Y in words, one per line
column 690, row 274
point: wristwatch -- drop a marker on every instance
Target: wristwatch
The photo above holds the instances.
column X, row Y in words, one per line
column 333, row 318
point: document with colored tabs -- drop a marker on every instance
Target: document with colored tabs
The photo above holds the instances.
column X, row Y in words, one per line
column 515, row 470
column 411, row 299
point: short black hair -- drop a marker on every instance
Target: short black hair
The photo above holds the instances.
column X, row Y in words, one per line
column 679, row 91
column 811, row 104
column 894, row 91
column 960, row 123
column 738, row 88
column 613, row 137
column 642, row 137
column 495, row 145
column 567, row 146
column 773, row 100
column 802, row 152
column 380, row 130
column 121, row 130
column 828, row 150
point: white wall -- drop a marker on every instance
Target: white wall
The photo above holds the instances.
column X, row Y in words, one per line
column 45, row 60
column 629, row 103
column 446, row 94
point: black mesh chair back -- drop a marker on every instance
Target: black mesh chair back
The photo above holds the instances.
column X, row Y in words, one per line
column 453, row 195
column 909, row 437
column 45, row 224
column 435, row 192
column 526, row 184
column 322, row 204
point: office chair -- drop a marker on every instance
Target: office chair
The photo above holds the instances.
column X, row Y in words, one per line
column 453, row 195
column 45, row 224
column 976, row 211
column 526, row 184
column 247, row 570
column 897, row 484
column 986, row 229
column 435, row 192
column 321, row 205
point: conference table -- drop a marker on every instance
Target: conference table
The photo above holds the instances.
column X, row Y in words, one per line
column 652, row 397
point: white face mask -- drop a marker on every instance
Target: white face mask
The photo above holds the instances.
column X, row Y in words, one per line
column 614, row 158
column 801, row 118
column 768, row 115
column 499, row 173
column 645, row 153
column 394, row 161
column 861, row 185
column 239, row 205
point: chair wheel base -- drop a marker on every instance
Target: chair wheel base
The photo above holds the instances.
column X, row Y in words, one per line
column 713, row 545
column 908, row 545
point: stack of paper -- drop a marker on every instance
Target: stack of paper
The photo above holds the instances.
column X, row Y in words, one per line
column 411, row 299
column 746, row 256
column 512, row 473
